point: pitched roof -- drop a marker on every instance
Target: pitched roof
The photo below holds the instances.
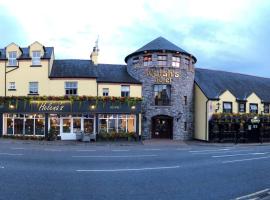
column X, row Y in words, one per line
column 73, row 69
column 26, row 55
column 213, row 83
column 106, row 73
column 159, row 44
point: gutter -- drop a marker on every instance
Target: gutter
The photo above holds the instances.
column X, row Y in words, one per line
column 206, row 118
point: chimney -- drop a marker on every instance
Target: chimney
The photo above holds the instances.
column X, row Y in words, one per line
column 94, row 54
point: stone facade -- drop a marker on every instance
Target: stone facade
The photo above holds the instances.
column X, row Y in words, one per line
column 180, row 110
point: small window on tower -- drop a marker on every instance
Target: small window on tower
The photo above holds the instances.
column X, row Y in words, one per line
column 147, row 60
column 135, row 61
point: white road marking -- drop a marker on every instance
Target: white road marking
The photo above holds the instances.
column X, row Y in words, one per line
column 128, row 169
column 209, row 150
column 11, row 154
column 119, row 150
column 243, row 154
column 151, row 149
column 85, row 150
column 249, row 196
column 2, row 167
column 248, row 159
column 53, row 150
column 17, row 148
column 120, row 156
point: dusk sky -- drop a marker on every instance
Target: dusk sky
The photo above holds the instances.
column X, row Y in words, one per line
column 230, row 35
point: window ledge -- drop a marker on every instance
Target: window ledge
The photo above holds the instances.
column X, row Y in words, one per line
column 33, row 94
column 36, row 65
column 156, row 106
column 11, row 89
column 12, row 65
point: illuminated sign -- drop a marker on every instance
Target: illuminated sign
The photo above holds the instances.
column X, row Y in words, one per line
column 163, row 75
column 50, row 105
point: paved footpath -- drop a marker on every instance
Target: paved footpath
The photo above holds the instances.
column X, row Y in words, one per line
column 156, row 169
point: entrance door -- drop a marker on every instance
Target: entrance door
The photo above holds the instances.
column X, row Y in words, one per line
column 162, row 127
column 66, row 129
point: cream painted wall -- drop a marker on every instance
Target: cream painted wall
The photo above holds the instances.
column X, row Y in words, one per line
column 253, row 98
column 227, row 96
column 2, row 78
column 201, row 131
column 115, row 89
column 47, row 87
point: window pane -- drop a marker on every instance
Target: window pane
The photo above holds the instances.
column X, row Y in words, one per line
column 162, row 94
column 66, row 125
column 88, row 125
column 29, row 126
column 18, row 126
column 131, row 125
column 76, row 125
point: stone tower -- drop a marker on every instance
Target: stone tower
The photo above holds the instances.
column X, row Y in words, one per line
column 167, row 75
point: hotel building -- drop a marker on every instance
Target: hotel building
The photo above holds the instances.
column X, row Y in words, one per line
column 159, row 93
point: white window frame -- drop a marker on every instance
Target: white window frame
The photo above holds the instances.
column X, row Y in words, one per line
column 36, row 55
column 162, row 60
column 12, row 58
column 12, row 86
column 126, row 89
column 71, row 85
column 176, row 61
column 105, row 92
column 33, row 87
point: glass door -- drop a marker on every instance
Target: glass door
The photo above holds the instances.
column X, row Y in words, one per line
column 66, row 125
column 88, row 126
column 77, row 127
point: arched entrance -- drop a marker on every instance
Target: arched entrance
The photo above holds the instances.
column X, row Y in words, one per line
column 162, row 126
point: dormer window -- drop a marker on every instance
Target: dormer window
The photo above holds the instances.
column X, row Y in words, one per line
column 36, row 58
column 147, row 60
column 12, row 58
column 162, row 60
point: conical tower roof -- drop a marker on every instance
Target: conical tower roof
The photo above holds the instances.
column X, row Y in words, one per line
column 159, row 44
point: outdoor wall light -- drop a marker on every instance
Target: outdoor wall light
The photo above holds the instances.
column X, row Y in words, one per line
column 92, row 107
column 133, row 107
column 11, row 106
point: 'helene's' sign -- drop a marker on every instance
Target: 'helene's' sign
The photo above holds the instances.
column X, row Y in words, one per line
column 163, row 75
column 51, row 107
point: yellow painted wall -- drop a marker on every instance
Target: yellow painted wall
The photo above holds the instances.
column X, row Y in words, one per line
column 115, row 89
column 200, row 115
column 227, row 96
column 253, row 98
column 2, row 78
column 47, row 87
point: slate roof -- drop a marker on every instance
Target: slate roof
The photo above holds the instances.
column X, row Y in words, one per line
column 159, row 44
column 114, row 74
column 105, row 73
column 25, row 53
column 213, row 83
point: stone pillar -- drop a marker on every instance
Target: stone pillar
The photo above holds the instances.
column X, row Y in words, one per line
column 46, row 124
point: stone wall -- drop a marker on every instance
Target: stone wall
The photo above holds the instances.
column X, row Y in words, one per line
column 180, row 86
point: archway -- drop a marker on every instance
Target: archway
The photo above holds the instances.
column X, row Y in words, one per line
column 162, row 126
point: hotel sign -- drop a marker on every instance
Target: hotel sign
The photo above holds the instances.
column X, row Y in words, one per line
column 51, row 107
column 163, row 75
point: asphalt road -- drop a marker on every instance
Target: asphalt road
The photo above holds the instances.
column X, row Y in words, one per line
column 32, row 171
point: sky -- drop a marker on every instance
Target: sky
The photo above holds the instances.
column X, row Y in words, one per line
column 230, row 35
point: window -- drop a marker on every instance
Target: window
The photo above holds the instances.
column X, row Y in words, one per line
column 33, row 87
column 227, row 107
column 117, row 123
column 242, row 107
column 12, row 58
column 36, row 58
column 147, row 60
column 162, row 95
column 253, row 108
column 162, row 60
column 136, row 61
column 71, row 88
column 186, row 61
column 185, row 126
column 11, row 86
column 185, row 100
column 266, row 108
column 125, row 91
column 175, row 61
column 105, row 92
